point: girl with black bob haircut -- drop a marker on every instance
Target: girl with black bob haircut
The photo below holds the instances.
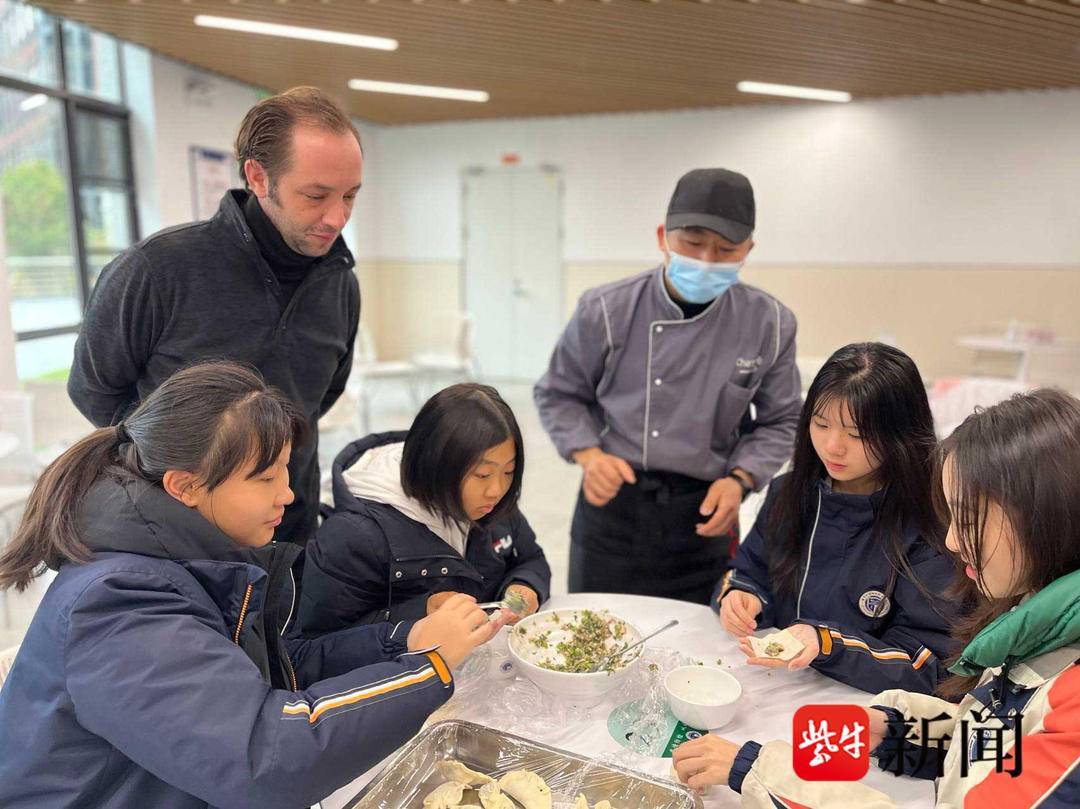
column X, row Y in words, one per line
column 1007, row 734
column 155, row 671
column 422, row 515
column 846, row 552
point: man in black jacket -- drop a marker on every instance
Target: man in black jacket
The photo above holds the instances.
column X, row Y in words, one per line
column 267, row 281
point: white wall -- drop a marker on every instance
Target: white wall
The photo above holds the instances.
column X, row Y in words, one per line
column 971, row 179
column 191, row 107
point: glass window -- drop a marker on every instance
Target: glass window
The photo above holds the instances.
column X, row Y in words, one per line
column 28, row 44
column 91, row 62
column 39, row 252
column 45, row 358
column 105, row 187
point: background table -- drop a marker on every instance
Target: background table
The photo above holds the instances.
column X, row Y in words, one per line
column 769, row 699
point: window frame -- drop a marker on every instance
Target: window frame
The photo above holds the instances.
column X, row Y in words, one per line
column 74, row 103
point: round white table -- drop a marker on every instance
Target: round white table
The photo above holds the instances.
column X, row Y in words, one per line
column 769, row 699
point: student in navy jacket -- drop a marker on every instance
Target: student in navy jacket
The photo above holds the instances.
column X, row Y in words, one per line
column 155, row 672
column 425, row 514
column 847, row 552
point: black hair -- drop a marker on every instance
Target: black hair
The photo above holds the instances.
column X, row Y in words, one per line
column 448, row 438
column 885, row 396
column 1022, row 455
column 209, row 419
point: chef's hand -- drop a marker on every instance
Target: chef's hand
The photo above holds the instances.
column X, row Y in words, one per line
column 705, row 761
column 722, row 501
column 804, row 633
column 604, row 475
column 739, row 611
column 532, row 602
column 879, row 727
column 456, row 628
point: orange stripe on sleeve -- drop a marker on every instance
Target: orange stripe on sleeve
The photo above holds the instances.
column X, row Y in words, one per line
column 440, row 667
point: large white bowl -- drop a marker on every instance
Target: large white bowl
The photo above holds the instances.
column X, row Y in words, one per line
column 579, row 688
column 702, row 697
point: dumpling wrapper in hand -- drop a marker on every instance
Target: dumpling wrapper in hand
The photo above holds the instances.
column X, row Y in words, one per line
column 453, row 770
column 581, row 803
column 492, row 797
column 445, row 796
column 780, row 645
column 527, row 788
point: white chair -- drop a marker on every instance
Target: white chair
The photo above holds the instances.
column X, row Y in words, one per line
column 457, row 364
column 10, row 517
column 18, row 465
column 368, row 370
column 7, row 660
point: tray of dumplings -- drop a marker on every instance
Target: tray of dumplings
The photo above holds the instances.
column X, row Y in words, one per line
column 457, row 764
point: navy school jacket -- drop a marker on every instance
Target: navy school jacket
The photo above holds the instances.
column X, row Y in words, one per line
column 156, row 675
column 844, row 575
column 369, row 562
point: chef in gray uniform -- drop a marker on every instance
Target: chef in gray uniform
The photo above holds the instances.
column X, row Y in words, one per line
column 676, row 391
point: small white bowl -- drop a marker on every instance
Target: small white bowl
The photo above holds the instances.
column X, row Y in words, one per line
column 581, row 689
column 702, row 697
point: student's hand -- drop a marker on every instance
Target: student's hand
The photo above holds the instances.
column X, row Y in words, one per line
column 705, row 761
column 722, row 501
column 739, row 611
column 456, row 628
column 604, row 475
column 804, row 633
column 879, row 727
column 532, row 602
column 436, row 600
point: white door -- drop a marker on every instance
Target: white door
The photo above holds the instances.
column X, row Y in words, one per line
column 513, row 268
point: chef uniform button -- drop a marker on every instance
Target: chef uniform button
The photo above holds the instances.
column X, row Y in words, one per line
column 655, row 433
column 659, row 329
column 445, row 571
column 423, row 572
column 397, row 575
column 658, row 382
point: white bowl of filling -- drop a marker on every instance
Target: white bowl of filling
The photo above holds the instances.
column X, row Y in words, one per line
column 557, row 649
column 702, row 697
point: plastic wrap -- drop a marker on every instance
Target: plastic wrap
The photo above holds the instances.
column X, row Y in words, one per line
column 411, row 775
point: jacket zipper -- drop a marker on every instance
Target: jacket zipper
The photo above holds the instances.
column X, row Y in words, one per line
column 809, row 558
column 243, row 614
column 240, row 625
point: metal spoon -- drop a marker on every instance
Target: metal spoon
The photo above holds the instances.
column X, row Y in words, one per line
column 612, row 657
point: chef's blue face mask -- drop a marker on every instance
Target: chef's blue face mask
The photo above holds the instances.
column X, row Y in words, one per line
column 698, row 281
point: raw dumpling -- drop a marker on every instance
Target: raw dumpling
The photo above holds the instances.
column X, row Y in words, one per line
column 603, row 805
column 527, row 788
column 453, row 770
column 780, row 645
column 581, row 803
column 445, row 796
column 492, row 797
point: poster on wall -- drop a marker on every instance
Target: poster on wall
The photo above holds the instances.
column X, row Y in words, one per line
column 211, row 177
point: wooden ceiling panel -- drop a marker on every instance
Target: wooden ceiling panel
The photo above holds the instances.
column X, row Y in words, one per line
column 562, row 57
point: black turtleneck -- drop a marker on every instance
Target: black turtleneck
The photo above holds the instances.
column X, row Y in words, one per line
column 287, row 265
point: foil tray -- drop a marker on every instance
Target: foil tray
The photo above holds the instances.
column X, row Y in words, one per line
column 411, row 775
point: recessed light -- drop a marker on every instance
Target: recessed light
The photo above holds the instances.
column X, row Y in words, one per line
column 791, row 91
column 366, row 85
column 296, row 32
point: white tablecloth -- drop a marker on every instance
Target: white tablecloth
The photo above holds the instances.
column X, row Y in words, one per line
column 769, row 699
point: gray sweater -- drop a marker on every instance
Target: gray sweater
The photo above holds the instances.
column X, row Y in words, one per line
column 203, row 291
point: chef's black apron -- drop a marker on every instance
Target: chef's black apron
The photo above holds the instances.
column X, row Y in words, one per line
column 643, row 542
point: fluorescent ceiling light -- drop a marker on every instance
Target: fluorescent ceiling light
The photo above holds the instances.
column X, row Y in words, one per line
column 417, row 90
column 33, row 102
column 296, row 32
column 791, row 91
